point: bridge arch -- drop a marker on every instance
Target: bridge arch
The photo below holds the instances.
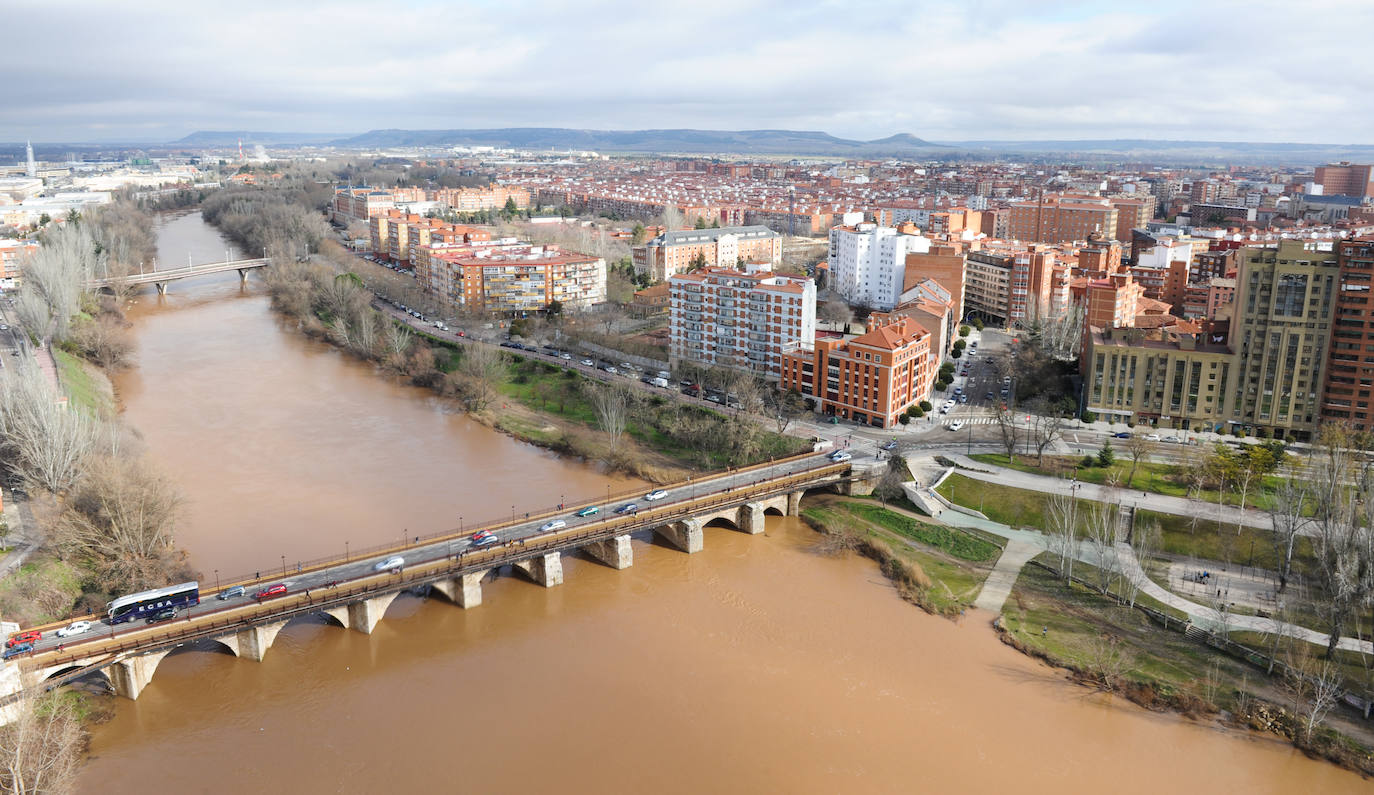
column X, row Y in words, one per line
column 101, row 674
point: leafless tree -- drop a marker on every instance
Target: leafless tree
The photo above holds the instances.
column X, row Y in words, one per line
column 1108, row 660
column 1286, row 517
column 670, row 218
column 477, row 375
column 42, row 747
column 1006, row 427
column 1047, row 426
column 44, row 441
column 785, row 406
column 55, row 279
column 1144, row 543
column 1315, row 687
column 1136, row 447
column 122, row 515
column 103, row 339
column 1062, row 513
column 1103, row 526
column 1343, row 543
column 890, row 485
column 833, row 309
column 1061, row 337
column 611, row 402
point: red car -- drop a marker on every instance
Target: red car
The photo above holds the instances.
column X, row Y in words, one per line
column 31, row 636
column 270, row 591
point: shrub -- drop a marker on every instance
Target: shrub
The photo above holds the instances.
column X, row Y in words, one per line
column 964, row 330
column 905, row 418
column 1088, row 462
column 926, row 406
column 1106, row 456
column 1089, row 416
column 978, row 323
column 918, row 413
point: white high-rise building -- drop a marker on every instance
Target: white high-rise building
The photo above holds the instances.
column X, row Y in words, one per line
column 868, row 263
column 33, row 165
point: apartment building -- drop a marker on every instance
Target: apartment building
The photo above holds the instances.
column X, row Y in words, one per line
column 1061, row 219
column 1345, row 179
column 872, row 378
column 516, row 279
column 987, row 285
column 1350, row 369
column 867, row 263
column 1112, row 302
column 1179, row 380
column 1280, row 326
column 675, row 251
column 740, row 319
column 12, row 254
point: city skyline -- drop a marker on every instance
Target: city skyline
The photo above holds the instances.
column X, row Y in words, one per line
column 990, row 70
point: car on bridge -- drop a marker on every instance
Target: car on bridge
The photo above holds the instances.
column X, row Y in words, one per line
column 18, row 649
column 553, row 524
column 166, row 614
column 484, row 538
column 627, row 508
column 656, row 494
column 74, row 628
column 31, row 636
column 840, row 456
column 393, row 562
column 590, row 510
column 271, row 591
column 230, row 592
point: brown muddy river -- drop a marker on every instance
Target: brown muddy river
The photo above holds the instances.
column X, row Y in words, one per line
column 755, row 665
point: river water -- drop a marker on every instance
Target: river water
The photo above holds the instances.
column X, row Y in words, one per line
column 755, row 665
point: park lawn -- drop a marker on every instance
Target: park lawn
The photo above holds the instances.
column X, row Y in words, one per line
column 80, row 387
column 1151, row 476
column 953, row 541
column 1081, row 623
column 954, row 584
column 1004, row 504
column 1209, row 541
column 1354, row 670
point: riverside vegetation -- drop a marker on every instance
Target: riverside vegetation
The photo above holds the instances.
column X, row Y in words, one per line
column 105, row 516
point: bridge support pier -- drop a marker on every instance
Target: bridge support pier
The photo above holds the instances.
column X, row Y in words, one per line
column 131, row 675
column 161, row 287
column 751, row 518
column 464, row 590
column 614, row 552
column 253, row 643
column 547, row 570
column 686, row 534
column 794, row 503
column 363, row 616
column 243, row 275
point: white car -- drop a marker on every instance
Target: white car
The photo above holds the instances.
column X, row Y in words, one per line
column 393, row 562
column 839, row 456
column 956, row 425
column 656, row 494
column 587, row 363
column 555, row 524
column 74, row 628
column 1153, row 437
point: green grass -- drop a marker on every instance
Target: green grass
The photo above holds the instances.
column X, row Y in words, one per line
column 953, row 541
column 953, row 584
column 1151, row 476
column 81, row 389
column 42, row 590
column 1004, row 504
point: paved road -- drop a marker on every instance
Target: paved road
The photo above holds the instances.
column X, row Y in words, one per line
column 425, row 551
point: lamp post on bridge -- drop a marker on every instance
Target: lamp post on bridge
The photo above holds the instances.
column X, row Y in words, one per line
column 283, row 565
column 216, row 579
column 345, row 552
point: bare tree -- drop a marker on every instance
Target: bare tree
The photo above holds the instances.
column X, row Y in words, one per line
column 42, row 747
column 477, row 375
column 1006, row 427
column 104, row 340
column 784, row 406
column 1103, row 526
column 1286, row 517
column 44, row 441
column 123, row 516
column 1144, row 543
column 55, row 278
column 1315, row 687
column 611, row 402
column 890, row 485
column 1047, row 426
column 1062, row 532
column 670, row 218
column 1136, row 448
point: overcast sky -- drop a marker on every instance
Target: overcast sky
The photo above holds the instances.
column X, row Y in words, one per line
column 147, row 70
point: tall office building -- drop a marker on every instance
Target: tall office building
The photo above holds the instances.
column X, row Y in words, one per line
column 1350, row 368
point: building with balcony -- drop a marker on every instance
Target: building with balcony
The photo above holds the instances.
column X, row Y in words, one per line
column 675, row 252
column 1350, row 367
column 872, row 378
column 740, row 319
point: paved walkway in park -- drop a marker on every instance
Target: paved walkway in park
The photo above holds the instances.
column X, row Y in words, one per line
column 997, row 587
column 1124, row 558
column 1159, row 503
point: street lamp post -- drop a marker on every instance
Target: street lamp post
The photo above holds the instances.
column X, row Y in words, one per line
column 217, row 572
column 283, row 565
column 345, row 552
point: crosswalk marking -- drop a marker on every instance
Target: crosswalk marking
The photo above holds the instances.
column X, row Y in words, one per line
column 968, row 420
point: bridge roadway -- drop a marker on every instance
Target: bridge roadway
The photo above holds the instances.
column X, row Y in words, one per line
column 354, row 594
column 162, row 277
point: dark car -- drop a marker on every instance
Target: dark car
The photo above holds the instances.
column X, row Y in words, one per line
column 270, row 591
column 1122, row 435
column 18, row 649
column 627, row 508
column 987, row 396
column 165, row 614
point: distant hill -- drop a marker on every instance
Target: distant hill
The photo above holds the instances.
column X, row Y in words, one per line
column 232, row 137
column 1198, row 152
column 777, row 142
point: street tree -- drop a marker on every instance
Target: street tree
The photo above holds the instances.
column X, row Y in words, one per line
column 611, row 402
column 1062, row 513
column 1006, row 428
column 785, row 406
column 1287, row 518
column 890, row 484
column 1136, row 447
column 1047, row 426
column 43, row 442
